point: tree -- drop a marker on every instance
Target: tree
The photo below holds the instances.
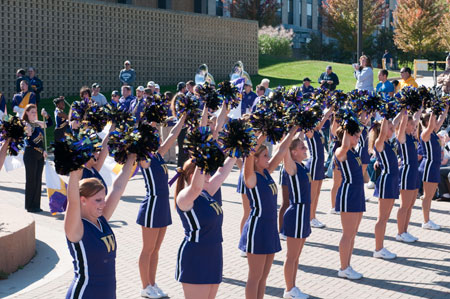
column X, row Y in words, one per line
column 444, row 27
column 416, row 23
column 265, row 12
column 341, row 20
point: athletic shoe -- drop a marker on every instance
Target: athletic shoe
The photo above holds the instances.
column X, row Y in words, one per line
column 333, row 211
column 370, row 185
column 317, row 224
column 431, row 225
column 404, row 237
column 159, row 291
column 150, row 292
column 367, row 199
column 349, row 273
column 384, row 254
column 243, row 254
column 283, row 237
column 411, row 236
column 295, row 293
column 446, row 195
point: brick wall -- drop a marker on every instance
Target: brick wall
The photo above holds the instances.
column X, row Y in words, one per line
column 74, row 43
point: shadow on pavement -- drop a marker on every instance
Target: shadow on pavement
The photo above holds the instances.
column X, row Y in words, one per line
column 269, row 290
column 133, row 199
column 118, row 223
column 12, row 189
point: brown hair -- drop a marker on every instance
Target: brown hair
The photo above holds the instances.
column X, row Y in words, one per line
column 295, row 142
column 340, row 133
column 83, row 90
column 373, row 134
column 260, row 149
column 91, row 186
column 424, row 120
column 368, row 61
column 27, row 109
column 185, row 173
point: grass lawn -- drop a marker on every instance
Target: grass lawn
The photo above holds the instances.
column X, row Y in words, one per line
column 280, row 71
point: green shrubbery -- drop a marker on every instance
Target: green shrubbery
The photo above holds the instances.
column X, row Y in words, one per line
column 275, row 41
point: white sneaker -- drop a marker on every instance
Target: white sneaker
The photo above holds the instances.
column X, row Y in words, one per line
column 384, row 254
column 159, row 291
column 431, row 225
column 404, row 237
column 243, row 254
column 317, row 224
column 446, row 195
column 349, row 273
column 283, row 237
column 370, row 185
column 411, row 236
column 150, row 292
column 295, row 293
column 333, row 211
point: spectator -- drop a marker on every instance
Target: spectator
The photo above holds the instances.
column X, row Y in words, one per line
column 85, row 93
column 181, row 87
column 61, row 119
column 126, row 98
column 2, row 107
column 248, row 98
column 157, row 89
column 147, row 92
column 36, row 85
column 384, row 86
column 115, row 96
column 328, row 79
column 395, row 83
column 260, row 91
column 406, row 80
column 265, row 82
column 98, row 97
column 127, row 75
column 138, row 103
column 152, row 86
column 23, row 99
column 364, row 74
column 389, row 60
column 190, row 88
column 170, row 156
column 20, row 74
column 444, row 78
column 307, row 89
column 444, row 184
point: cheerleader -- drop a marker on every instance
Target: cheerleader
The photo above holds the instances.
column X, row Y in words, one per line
column 386, row 188
column 91, row 241
column 337, row 178
column 259, row 238
column 430, row 164
column 350, row 199
column 296, row 180
column 3, row 151
column 316, row 166
column 154, row 213
column 363, row 146
column 409, row 179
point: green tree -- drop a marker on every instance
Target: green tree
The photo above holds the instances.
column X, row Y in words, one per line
column 416, row 23
column 341, row 21
column 265, row 12
column 444, row 27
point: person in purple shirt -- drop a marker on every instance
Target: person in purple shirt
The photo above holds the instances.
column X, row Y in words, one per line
column 307, row 89
column 126, row 98
column 138, row 103
column 248, row 97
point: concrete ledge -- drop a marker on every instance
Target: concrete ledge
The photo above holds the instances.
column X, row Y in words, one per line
column 17, row 238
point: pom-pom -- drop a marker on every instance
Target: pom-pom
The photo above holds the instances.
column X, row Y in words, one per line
column 142, row 141
column 322, row 96
column 118, row 115
column 74, row 151
column 204, row 150
column 190, row 106
column 335, row 100
column 96, row 117
column 155, row 109
column 13, row 128
column 237, row 138
column 294, row 96
column 268, row 118
column 78, row 109
column 389, row 108
column 230, row 94
column 348, row 119
column 409, row 99
column 307, row 116
column 209, row 96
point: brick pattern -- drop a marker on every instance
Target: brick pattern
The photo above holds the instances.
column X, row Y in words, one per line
column 73, row 43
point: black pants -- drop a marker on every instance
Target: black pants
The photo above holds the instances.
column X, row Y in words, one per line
column 34, row 165
column 444, row 183
column 182, row 156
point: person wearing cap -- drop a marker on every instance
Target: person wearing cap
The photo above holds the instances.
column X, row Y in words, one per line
column 127, row 75
column 152, row 86
column 126, row 98
column 36, row 84
column 328, row 79
column 115, row 96
column 138, row 103
column 307, row 89
column 157, row 89
column 96, row 96
column 265, row 82
column 61, row 119
column 248, row 98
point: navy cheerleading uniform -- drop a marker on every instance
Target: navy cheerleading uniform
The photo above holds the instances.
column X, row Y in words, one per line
column 336, row 144
column 94, row 262
column 409, row 169
column 315, row 164
column 260, row 233
column 154, row 211
column 430, row 165
column 363, row 147
column 296, row 223
column 387, row 183
column 200, row 259
column 350, row 196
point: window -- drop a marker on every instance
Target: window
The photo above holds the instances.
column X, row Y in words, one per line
column 278, row 13
column 198, row 6
column 309, row 14
column 124, row 1
column 219, row 8
column 290, row 12
column 162, row 4
column 300, row 11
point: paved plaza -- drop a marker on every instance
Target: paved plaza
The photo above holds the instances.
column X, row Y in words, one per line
column 422, row 269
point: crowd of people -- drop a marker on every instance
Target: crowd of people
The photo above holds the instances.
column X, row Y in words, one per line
column 401, row 155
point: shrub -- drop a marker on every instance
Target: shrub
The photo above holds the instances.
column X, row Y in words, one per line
column 275, row 40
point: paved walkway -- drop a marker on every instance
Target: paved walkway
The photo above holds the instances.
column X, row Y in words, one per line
column 422, row 269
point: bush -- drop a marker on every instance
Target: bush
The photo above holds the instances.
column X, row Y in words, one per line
column 275, row 41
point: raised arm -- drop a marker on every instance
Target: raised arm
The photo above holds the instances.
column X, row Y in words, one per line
column 187, row 196
column 119, row 185
column 104, row 151
column 441, row 119
column 249, row 165
column 379, row 142
column 279, row 155
column 219, row 177
column 73, row 226
column 324, row 119
column 401, row 135
column 426, row 134
column 396, row 120
column 416, row 116
column 221, row 119
column 167, row 144
column 289, row 164
column 3, row 152
column 341, row 152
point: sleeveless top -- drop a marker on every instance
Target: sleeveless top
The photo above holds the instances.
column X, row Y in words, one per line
column 263, row 197
column 156, row 177
column 432, row 149
column 351, row 169
column 408, row 151
column 388, row 159
column 315, row 145
column 299, row 185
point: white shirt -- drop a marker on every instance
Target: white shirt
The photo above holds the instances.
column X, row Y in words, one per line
column 100, row 99
column 364, row 79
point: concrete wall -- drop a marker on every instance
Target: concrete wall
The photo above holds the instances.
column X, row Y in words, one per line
column 75, row 43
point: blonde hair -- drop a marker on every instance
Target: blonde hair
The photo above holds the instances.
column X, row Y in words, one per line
column 91, row 186
column 295, row 143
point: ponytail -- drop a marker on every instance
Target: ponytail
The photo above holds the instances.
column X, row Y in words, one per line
column 185, row 174
column 373, row 135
